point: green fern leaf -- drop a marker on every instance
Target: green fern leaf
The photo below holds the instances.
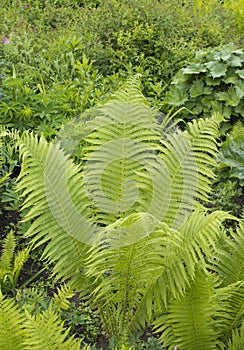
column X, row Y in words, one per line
column 55, row 222
column 184, row 249
column 237, row 340
column 229, row 258
column 11, row 325
column 8, row 248
column 188, row 322
column 188, row 157
column 46, row 331
column 230, row 302
column 62, row 296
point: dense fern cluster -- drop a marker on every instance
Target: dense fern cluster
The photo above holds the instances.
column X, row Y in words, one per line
column 126, row 228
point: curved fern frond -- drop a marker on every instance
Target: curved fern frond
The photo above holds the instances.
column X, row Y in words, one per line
column 229, row 263
column 61, row 297
column 237, row 340
column 56, row 222
column 46, row 331
column 121, row 274
column 183, row 250
column 11, row 325
column 231, row 308
column 8, row 248
column 133, row 279
column 189, row 157
column 188, row 322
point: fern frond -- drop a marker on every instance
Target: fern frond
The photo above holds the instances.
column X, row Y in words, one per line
column 188, row 322
column 228, row 260
column 123, row 140
column 130, row 92
column 231, row 308
column 183, row 250
column 8, row 248
column 237, row 340
column 132, row 279
column 19, row 260
column 122, row 272
column 61, row 297
column 11, row 325
column 55, row 206
column 46, row 331
column 189, row 157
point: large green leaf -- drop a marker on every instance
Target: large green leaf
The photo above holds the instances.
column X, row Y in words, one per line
column 198, row 88
column 231, row 97
column 232, row 156
column 177, row 96
column 216, row 69
column 194, row 68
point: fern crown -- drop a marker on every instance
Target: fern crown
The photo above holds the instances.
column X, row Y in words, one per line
column 127, row 168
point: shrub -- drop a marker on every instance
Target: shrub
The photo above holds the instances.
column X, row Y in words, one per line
column 235, row 9
column 212, row 82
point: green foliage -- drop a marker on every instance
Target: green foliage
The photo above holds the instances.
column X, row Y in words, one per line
column 118, row 120
column 213, row 81
column 43, row 104
column 154, row 35
column 47, row 331
column 4, row 175
column 194, row 312
column 235, row 8
column 23, row 331
column 150, row 253
column 212, row 306
column 48, row 40
column 225, row 194
column 228, row 188
column 82, row 320
column 10, row 263
column 231, row 156
column 11, row 325
column 208, row 311
column 152, row 246
column 229, row 258
column 237, row 342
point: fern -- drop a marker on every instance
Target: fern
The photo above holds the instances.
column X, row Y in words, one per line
column 63, row 238
column 21, row 331
column 8, row 248
column 125, row 227
column 62, row 296
column 132, row 280
column 229, row 260
column 11, row 325
column 237, row 340
column 46, row 331
column 188, row 322
column 230, row 300
column 10, row 263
